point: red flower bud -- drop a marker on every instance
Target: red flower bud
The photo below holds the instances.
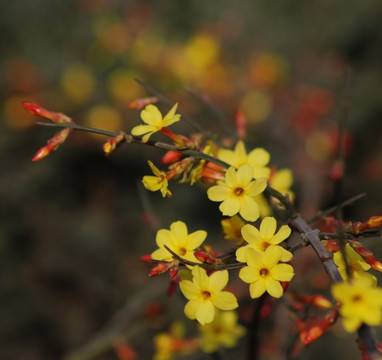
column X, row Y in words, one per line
column 35, row 109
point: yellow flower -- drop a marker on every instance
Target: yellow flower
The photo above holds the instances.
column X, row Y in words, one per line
column 205, row 294
column 357, row 265
column 179, row 241
column 157, row 182
column 266, row 237
column 232, row 229
column 361, row 302
column 152, row 117
column 172, row 343
column 264, row 272
column 223, row 331
column 258, row 159
column 237, row 192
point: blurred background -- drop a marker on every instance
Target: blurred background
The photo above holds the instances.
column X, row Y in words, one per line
column 73, row 226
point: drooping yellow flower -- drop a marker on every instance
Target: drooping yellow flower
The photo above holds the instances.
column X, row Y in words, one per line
column 232, row 229
column 264, row 272
column 357, row 265
column 170, row 344
column 205, row 293
column 237, row 192
column 261, row 239
column 258, row 159
column 179, row 241
column 157, row 182
column 154, row 121
column 223, row 331
column 361, row 302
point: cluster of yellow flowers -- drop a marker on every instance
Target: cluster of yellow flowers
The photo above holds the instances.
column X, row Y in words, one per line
column 266, row 263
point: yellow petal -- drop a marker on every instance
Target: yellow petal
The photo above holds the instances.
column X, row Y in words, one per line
column 283, row 233
column 141, row 129
column 244, row 175
column 205, row 312
column 218, row 280
column 189, row 290
column 274, row 288
column 256, row 187
column 257, row 288
column 250, row 234
column 218, row 192
column 151, row 183
column 282, row 272
column 151, row 115
column 258, row 157
column 249, row 209
column 224, row 300
column 230, row 206
column 191, row 308
column 195, row 239
column 248, row 274
column 200, row 278
column 268, row 227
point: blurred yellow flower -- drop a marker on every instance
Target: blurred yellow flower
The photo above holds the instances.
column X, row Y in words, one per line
column 266, row 237
column 257, row 158
column 205, row 293
column 357, row 265
column 232, row 229
column 237, row 192
column 157, row 182
column 361, row 302
column 172, row 343
column 223, row 331
column 264, row 272
column 154, row 121
column 179, row 241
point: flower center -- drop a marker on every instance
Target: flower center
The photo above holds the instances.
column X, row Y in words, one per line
column 238, row 191
column 356, row 298
column 206, row 294
column 182, row 251
column 264, row 272
column 265, row 245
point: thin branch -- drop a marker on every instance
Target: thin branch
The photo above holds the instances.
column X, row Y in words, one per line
column 332, row 209
column 204, row 265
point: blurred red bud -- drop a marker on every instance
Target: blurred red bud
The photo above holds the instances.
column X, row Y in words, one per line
column 141, row 103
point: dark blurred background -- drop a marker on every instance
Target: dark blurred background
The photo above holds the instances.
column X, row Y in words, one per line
column 71, row 225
